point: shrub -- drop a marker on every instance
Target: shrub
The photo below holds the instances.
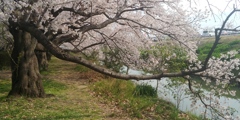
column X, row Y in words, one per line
column 145, row 90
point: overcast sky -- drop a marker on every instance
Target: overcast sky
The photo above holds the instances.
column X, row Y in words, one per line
column 219, row 11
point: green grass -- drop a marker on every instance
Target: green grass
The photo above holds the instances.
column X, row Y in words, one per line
column 226, row 43
column 142, row 105
column 224, row 39
column 5, row 87
column 53, row 87
column 222, row 48
column 39, row 109
column 72, row 101
column 81, row 69
column 62, row 106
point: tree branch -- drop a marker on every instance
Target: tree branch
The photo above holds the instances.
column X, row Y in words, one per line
column 218, row 33
column 89, row 46
column 59, row 53
column 64, row 38
column 81, row 13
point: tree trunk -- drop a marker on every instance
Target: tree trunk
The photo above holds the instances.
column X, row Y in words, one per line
column 26, row 79
column 42, row 60
column 41, row 56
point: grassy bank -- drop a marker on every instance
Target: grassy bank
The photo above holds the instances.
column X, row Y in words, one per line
column 67, row 103
column 72, row 99
column 226, row 44
column 80, row 93
column 140, row 101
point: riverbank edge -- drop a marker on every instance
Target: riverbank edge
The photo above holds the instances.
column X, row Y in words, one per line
column 121, row 94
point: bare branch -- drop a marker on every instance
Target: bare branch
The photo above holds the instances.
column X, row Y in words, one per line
column 130, row 10
column 207, row 106
column 81, row 13
column 92, row 45
column 218, row 33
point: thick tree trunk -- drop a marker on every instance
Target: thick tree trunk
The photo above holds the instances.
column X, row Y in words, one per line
column 26, row 79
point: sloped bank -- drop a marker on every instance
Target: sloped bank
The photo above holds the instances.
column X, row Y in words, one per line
column 140, row 101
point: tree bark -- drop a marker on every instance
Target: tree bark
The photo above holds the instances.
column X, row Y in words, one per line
column 26, row 79
column 42, row 57
column 42, row 60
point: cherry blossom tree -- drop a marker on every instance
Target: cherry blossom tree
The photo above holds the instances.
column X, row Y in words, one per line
column 123, row 27
column 85, row 27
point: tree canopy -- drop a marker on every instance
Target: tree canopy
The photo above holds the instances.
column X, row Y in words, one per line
column 87, row 27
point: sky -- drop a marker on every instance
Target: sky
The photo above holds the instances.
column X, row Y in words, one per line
column 219, row 9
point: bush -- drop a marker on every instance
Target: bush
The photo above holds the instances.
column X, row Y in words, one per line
column 5, row 61
column 145, row 90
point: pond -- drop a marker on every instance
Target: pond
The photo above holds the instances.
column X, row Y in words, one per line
column 178, row 96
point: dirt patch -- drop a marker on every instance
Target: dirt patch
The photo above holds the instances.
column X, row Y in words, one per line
column 65, row 73
column 5, row 74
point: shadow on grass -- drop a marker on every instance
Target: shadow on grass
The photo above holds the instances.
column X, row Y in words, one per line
column 5, row 86
column 50, row 86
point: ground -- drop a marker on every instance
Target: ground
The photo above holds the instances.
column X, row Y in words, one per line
column 70, row 97
column 80, row 81
column 78, row 97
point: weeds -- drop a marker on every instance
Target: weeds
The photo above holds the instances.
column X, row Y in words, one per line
column 139, row 101
column 145, row 91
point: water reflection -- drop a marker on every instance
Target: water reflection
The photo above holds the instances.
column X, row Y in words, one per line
column 177, row 95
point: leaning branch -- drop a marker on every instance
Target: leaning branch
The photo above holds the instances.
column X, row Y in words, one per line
column 61, row 54
column 218, row 33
